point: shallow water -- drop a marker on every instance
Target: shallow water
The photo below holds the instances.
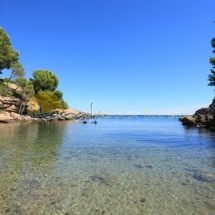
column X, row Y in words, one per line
column 120, row 166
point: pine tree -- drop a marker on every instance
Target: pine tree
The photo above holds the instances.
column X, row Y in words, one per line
column 211, row 77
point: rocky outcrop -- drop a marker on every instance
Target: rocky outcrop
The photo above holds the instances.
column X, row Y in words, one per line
column 11, row 105
column 203, row 117
column 188, row 120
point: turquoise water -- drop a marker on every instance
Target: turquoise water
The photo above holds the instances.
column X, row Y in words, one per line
column 120, row 166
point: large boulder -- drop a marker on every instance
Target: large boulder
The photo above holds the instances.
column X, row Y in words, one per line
column 25, row 119
column 70, row 116
column 6, row 118
column 188, row 120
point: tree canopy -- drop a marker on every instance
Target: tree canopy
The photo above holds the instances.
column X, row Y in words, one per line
column 17, row 70
column 44, row 80
column 8, row 55
column 58, row 93
column 24, row 89
column 211, row 77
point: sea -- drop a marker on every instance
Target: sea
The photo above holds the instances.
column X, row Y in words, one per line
column 123, row 165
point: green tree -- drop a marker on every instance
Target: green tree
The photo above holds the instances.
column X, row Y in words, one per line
column 7, row 53
column 25, row 88
column 64, row 104
column 28, row 91
column 58, row 93
column 44, row 80
column 17, row 71
column 211, row 77
column 21, row 82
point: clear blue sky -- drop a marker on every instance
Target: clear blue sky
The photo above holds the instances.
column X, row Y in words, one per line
column 125, row 55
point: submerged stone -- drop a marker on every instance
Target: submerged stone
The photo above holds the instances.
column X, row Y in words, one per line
column 143, row 166
column 142, row 200
column 104, row 179
column 70, row 213
column 204, row 177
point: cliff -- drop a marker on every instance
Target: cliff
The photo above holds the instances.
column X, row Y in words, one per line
column 10, row 105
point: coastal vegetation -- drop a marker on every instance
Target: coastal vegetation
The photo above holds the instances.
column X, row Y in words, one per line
column 211, row 77
column 17, row 86
column 8, row 56
column 44, row 80
column 204, row 117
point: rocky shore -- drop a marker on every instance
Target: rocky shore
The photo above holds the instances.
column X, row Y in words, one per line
column 204, row 117
column 9, row 112
column 12, row 117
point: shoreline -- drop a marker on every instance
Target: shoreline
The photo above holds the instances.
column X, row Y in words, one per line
column 203, row 117
column 66, row 114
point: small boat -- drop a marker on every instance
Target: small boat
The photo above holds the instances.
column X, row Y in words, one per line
column 84, row 122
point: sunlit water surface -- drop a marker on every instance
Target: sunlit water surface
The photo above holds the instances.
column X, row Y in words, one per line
column 120, row 166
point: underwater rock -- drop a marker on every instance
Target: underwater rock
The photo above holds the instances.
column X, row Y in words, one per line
column 87, row 192
column 204, row 177
column 104, row 179
column 184, row 183
column 7, row 210
column 143, row 165
column 210, row 204
column 142, row 200
column 70, row 213
column 32, row 183
column 149, row 166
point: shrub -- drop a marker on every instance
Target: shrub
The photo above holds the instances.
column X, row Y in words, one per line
column 64, row 104
column 5, row 90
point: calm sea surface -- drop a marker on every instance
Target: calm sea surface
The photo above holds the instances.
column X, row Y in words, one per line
column 120, row 166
